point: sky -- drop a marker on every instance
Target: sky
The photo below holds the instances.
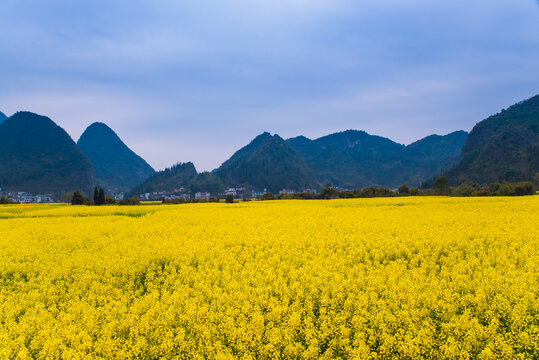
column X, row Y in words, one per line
column 195, row 80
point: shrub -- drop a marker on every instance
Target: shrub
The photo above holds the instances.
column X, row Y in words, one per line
column 404, row 189
column 441, row 186
column 130, row 201
column 78, row 199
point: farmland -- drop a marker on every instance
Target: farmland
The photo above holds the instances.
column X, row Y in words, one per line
column 393, row 278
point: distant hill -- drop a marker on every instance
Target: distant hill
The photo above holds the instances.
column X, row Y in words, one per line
column 431, row 156
column 2, row 117
column 169, row 179
column 357, row 159
column 350, row 158
column 117, row 168
column 38, row 156
column 267, row 162
column 504, row 147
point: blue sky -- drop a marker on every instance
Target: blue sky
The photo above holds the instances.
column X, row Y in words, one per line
column 195, row 80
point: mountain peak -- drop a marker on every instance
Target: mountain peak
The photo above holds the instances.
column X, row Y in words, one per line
column 46, row 158
column 117, row 168
column 267, row 162
column 2, row 117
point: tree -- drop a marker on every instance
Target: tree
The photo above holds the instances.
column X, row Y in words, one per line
column 78, row 199
column 96, row 196
column 229, row 199
column 404, row 189
column 329, row 192
column 441, row 186
column 101, row 197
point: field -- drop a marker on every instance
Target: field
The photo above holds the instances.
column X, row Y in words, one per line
column 398, row 278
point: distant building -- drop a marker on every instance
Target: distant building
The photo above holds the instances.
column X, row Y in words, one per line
column 285, row 191
column 257, row 194
column 202, row 196
column 231, row 191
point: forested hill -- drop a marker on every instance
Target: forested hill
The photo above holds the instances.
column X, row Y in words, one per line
column 504, row 147
column 357, row 159
column 2, row 117
column 267, row 162
column 117, row 168
column 431, row 156
column 38, row 156
column 182, row 175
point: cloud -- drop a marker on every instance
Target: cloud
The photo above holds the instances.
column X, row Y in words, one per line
column 199, row 71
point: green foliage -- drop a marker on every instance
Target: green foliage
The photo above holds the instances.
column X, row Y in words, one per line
column 116, row 167
column 229, row 199
column 96, row 196
column 101, row 197
column 441, row 186
column 169, row 179
column 78, row 199
column 404, row 189
column 268, row 196
column 109, row 200
column 356, row 159
column 329, row 192
column 267, row 162
column 205, row 181
column 504, row 147
column 212, row 199
column 44, row 156
column 6, row 201
column 130, row 201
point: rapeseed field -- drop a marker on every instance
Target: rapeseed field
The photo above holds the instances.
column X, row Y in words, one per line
column 398, row 278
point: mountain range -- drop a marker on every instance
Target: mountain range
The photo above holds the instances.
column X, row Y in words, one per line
column 36, row 155
column 354, row 159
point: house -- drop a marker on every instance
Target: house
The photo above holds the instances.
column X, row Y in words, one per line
column 202, row 196
column 231, row 191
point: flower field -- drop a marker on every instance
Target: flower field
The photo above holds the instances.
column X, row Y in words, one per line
column 395, row 278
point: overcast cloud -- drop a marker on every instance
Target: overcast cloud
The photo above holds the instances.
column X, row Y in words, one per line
column 195, row 80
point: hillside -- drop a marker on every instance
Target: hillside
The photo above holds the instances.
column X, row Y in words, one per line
column 350, row 158
column 504, row 147
column 116, row 167
column 268, row 162
column 168, row 180
column 357, row 159
column 431, row 156
column 38, row 156
column 2, row 117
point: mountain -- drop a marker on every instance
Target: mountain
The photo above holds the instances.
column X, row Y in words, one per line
column 2, row 117
column 431, row 156
column 267, row 162
column 350, row 158
column 503, row 147
column 357, row 159
column 117, row 168
column 168, row 180
column 38, row 156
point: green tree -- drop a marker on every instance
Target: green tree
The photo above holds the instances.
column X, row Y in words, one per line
column 404, row 189
column 441, row 186
column 101, row 197
column 78, row 199
column 96, row 196
column 229, row 199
